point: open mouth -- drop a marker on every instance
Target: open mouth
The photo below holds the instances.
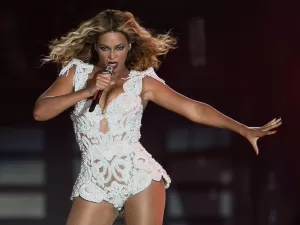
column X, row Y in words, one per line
column 113, row 64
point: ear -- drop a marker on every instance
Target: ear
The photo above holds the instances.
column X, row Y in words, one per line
column 95, row 47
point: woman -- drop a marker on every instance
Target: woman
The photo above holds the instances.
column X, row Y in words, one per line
column 117, row 173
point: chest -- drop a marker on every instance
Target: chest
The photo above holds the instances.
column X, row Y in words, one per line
column 123, row 94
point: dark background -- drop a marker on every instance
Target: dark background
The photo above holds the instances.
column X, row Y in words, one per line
column 250, row 74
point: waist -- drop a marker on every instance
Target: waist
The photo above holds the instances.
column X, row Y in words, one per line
column 108, row 138
column 109, row 150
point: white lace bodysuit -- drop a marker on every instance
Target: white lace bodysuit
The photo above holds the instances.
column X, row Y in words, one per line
column 114, row 164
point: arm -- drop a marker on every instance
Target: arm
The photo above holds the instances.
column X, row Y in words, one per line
column 193, row 110
column 58, row 97
column 203, row 113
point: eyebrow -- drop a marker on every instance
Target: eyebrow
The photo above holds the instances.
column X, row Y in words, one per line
column 108, row 47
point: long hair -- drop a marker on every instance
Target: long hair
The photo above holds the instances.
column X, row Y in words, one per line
column 146, row 45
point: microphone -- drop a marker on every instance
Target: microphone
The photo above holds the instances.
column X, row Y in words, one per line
column 98, row 93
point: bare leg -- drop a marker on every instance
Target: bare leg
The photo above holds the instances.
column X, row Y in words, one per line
column 89, row 213
column 146, row 207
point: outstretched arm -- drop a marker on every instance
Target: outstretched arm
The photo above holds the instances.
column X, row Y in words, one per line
column 203, row 113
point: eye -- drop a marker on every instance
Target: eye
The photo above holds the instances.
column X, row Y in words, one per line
column 103, row 48
column 119, row 48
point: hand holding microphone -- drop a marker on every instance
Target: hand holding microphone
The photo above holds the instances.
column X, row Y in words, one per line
column 100, row 81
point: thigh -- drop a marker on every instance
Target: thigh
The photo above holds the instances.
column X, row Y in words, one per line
column 89, row 213
column 146, row 207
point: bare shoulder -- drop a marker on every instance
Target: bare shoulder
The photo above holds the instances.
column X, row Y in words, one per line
column 62, row 85
column 151, row 85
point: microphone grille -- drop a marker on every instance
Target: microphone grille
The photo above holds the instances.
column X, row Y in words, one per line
column 109, row 69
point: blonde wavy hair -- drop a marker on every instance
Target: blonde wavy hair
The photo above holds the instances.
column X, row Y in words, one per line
column 146, row 45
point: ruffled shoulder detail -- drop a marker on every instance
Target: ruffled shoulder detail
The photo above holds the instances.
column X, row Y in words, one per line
column 148, row 72
column 80, row 67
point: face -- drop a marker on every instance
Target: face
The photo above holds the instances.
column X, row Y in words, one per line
column 112, row 49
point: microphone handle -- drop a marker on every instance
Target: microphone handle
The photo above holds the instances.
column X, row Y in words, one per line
column 95, row 100
column 97, row 95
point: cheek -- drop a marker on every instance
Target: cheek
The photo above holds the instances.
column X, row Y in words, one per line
column 102, row 54
column 124, row 54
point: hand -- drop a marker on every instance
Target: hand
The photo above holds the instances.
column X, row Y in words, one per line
column 252, row 134
column 100, row 81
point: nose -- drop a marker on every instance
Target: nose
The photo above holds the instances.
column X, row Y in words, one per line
column 111, row 54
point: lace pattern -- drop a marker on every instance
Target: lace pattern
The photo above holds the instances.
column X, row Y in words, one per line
column 114, row 164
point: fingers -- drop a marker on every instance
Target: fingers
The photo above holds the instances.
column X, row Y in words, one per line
column 271, row 132
column 103, row 77
column 256, row 149
column 262, row 131
column 103, row 81
column 277, row 123
column 271, row 125
column 272, row 121
column 254, row 145
column 268, row 129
